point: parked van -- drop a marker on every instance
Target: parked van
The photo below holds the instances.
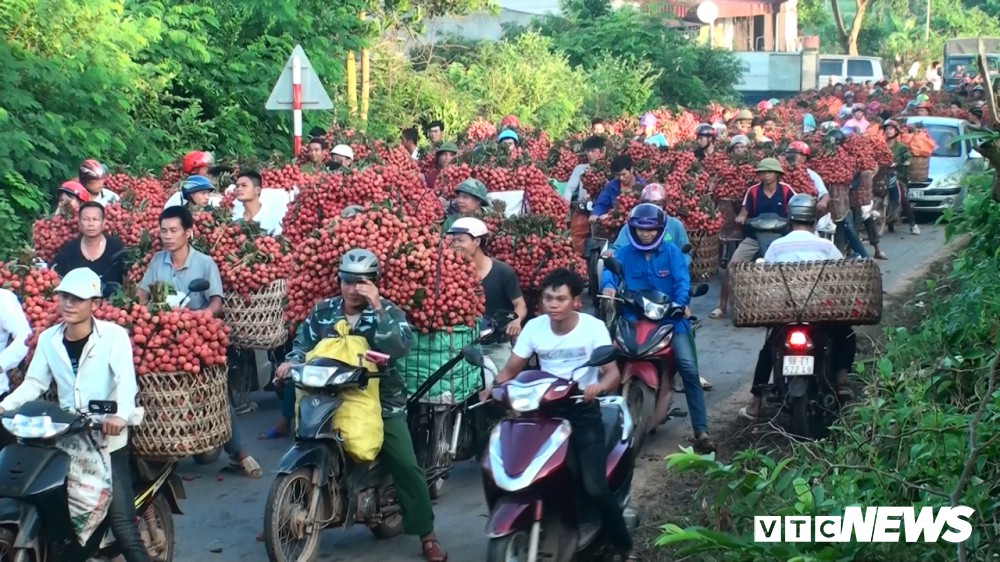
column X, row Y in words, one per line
column 838, row 68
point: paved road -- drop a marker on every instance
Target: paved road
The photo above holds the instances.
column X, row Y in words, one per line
column 224, row 513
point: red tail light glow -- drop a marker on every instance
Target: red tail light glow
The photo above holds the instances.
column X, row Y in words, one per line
column 797, row 339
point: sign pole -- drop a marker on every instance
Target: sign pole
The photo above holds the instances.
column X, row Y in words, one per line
column 296, row 104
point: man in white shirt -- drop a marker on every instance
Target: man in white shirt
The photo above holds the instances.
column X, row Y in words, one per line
column 250, row 208
column 93, row 175
column 563, row 339
column 798, row 153
column 801, row 245
column 14, row 333
column 574, row 192
column 91, row 359
column 933, row 75
column 410, row 138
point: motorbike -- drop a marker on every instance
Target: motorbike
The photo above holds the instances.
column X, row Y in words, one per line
column 446, row 433
column 319, row 486
column 645, row 349
column 594, row 248
column 804, row 380
column 768, row 227
column 537, row 507
column 35, row 523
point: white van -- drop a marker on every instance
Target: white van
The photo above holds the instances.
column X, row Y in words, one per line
column 838, row 68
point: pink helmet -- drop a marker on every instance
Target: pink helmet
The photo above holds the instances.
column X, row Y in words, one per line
column 648, row 120
column 654, row 192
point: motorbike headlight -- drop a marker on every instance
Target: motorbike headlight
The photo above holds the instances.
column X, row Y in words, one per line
column 525, row 398
column 652, row 310
column 33, row 427
column 315, row 376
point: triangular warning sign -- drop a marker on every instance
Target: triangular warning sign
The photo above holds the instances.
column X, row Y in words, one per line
column 313, row 94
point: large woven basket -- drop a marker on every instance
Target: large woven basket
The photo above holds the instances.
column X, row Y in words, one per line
column 840, row 202
column 863, row 194
column 919, row 168
column 880, row 183
column 705, row 254
column 729, row 208
column 840, row 292
column 186, row 413
column 256, row 323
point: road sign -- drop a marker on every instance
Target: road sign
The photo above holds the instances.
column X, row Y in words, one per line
column 313, row 94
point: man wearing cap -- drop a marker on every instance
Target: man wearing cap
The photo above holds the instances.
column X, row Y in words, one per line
column 342, row 156
column 177, row 265
column 576, row 194
column 704, row 135
column 470, row 198
column 442, row 157
column 90, row 359
column 743, row 120
column 624, row 178
column 500, row 284
column 768, row 196
column 93, row 249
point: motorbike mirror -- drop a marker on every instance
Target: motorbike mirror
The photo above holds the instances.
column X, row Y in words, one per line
column 198, row 286
column 110, row 288
column 601, row 356
column 614, row 266
column 108, row 407
column 700, row 290
column 473, row 354
column 686, row 248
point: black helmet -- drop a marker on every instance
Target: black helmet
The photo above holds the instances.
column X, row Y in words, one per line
column 359, row 264
column 836, row 137
column 802, row 208
column 705, row 130
column 646, row 216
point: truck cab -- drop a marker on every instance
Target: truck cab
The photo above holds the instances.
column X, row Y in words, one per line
column 948, row 163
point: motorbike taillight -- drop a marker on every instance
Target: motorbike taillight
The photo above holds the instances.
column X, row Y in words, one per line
column 797, row 339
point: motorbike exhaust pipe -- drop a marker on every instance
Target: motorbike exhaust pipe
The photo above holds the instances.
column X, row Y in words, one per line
column 454, row 434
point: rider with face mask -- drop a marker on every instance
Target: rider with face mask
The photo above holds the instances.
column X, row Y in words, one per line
column 649, row 264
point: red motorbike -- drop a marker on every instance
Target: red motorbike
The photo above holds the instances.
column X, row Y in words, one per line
column 538, row 510
column 645, row 351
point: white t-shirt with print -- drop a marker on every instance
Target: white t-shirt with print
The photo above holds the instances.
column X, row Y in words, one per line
column 560, row 355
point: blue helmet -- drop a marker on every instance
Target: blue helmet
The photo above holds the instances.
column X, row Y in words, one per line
column 646, row 216
column 194, row 184
column 508, row 134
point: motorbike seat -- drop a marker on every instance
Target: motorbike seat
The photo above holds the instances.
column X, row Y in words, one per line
column 612, row 420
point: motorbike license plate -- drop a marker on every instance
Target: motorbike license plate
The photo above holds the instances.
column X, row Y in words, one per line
column 915, row 193
column 798, row 365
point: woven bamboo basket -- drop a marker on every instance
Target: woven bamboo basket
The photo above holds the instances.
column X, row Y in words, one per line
column 880, row 183
column 863, row 194
column 705, row 254
column 840, row 292
column 919, row 168
column 257, row 323
column 186, row 413
column 840, row 202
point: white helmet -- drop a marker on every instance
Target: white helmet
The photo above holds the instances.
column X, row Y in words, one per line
column 739, row 139
column 469, row 225
column 343, row 150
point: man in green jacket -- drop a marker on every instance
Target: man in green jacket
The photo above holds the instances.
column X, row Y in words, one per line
column 470, row 199
column 384, row 325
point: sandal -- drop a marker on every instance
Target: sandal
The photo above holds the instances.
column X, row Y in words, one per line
column 705, row 385
column 273, row 433
column 704, row 445
column 433, row 551
column 716, row 314
column 745, row 414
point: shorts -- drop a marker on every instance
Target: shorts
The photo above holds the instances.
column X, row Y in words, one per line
column 747, row 251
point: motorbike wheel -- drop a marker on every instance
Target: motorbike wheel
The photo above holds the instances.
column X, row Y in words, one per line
column 512, row 548
column 640, row 400
column 285, row 518
column 157, row 530
column 439, row 449
column 391, row 526
column 209, row 457
column 800, row 416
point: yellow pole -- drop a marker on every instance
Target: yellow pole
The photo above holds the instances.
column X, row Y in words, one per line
column 352, row 85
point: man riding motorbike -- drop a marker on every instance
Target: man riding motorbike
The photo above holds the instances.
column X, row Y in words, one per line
column 384, row 325
column 801, row 244
column 563, row 339
column 768, row 196
column 500, row 284
column 90, row 359
column 649, row 264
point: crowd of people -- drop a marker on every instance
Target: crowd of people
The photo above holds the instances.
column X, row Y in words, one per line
column 76, row 353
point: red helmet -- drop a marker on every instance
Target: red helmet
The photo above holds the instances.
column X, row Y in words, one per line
column 799, row 147
column 196, row 159
column 925, row 105
column 75, row 189
column 91, row 169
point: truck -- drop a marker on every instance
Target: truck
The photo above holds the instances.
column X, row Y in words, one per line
column 960, row 59
column 783, row 74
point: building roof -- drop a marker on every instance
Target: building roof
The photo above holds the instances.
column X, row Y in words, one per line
column 534, row 7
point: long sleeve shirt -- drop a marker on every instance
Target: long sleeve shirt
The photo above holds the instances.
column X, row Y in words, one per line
column 674, row 234
column 388, row 333
column 105, row 372
column 573, row 190
column 606, row 198
column 662, row 269
column 14, row 328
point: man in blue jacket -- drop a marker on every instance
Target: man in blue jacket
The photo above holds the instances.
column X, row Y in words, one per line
column 674, row 233
column 651, row 265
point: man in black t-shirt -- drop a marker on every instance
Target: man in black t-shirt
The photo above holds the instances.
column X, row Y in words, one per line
column 500, row 285
column 92, row 249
